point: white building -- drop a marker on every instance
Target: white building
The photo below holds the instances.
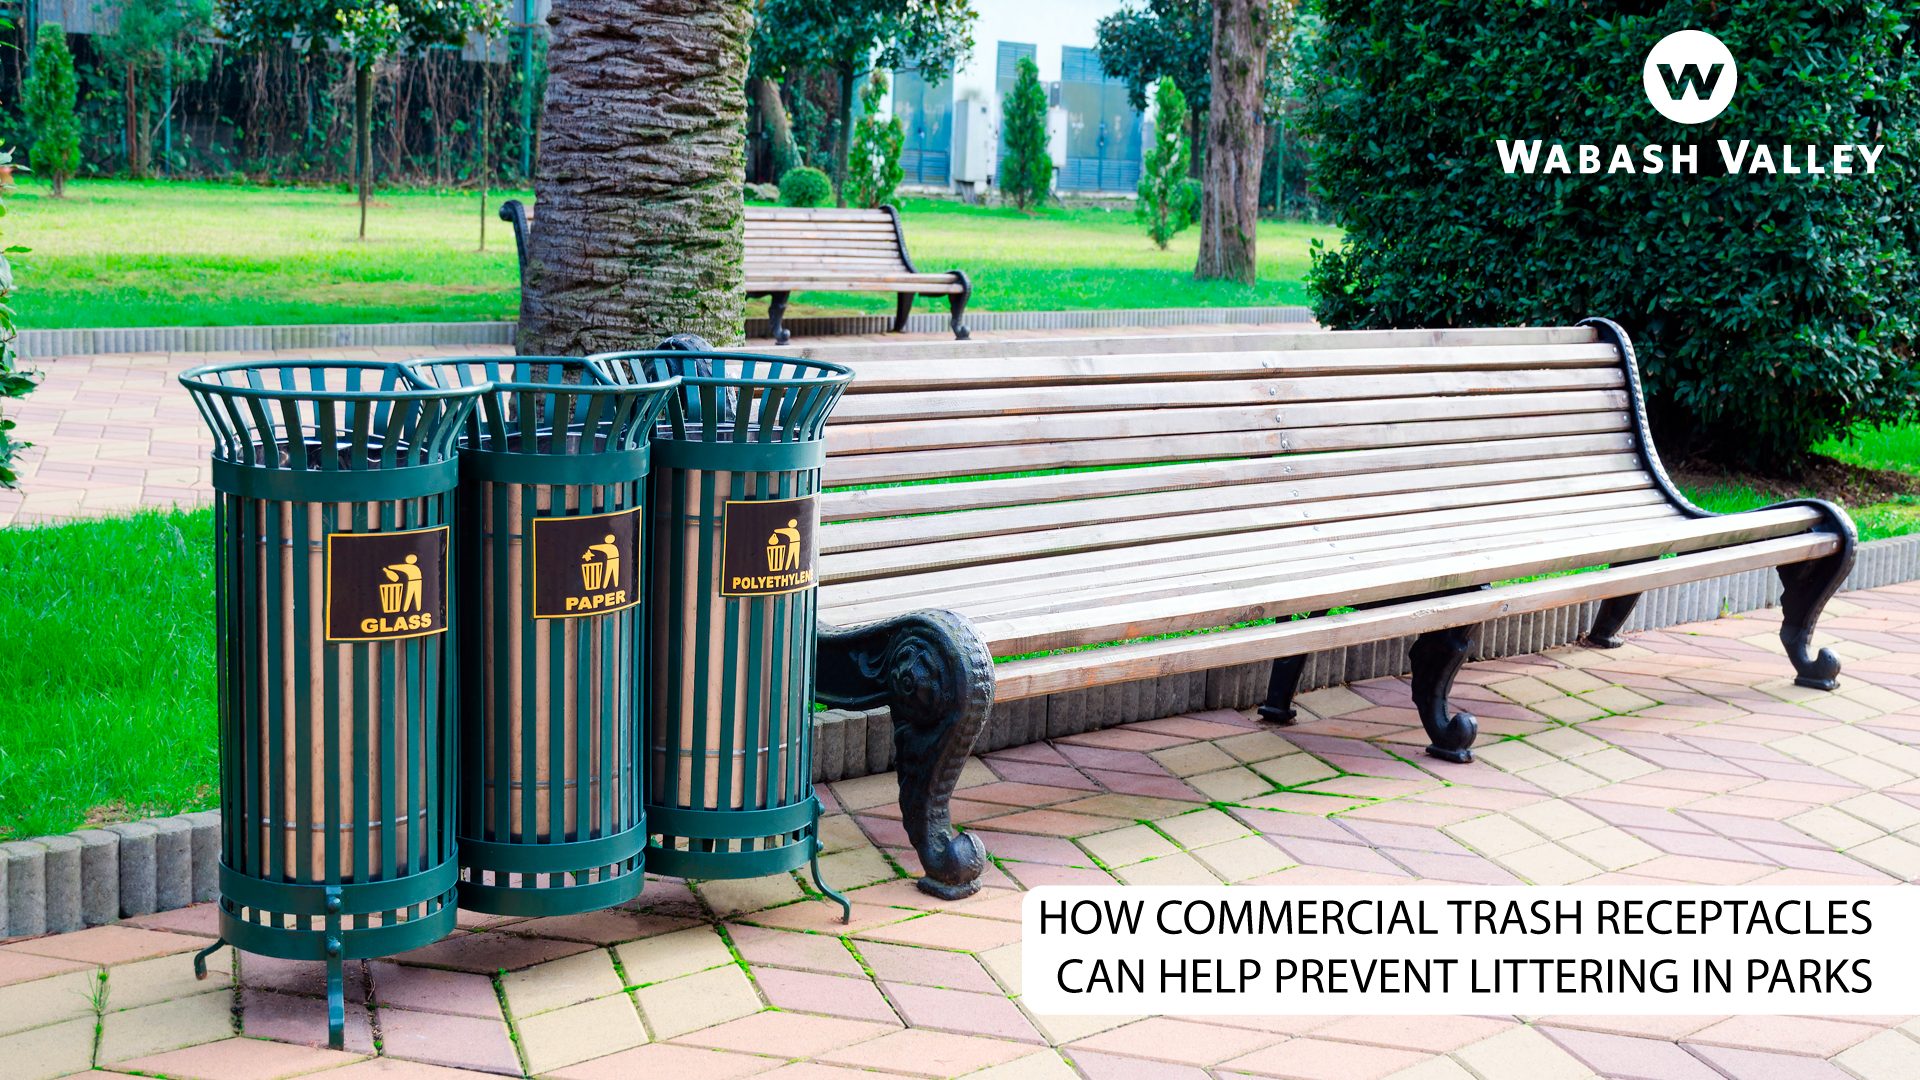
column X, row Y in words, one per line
column 953, row 126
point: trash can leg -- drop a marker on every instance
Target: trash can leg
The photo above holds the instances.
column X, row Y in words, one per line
column 200, row 958
column 336, row 974
column 846, row 906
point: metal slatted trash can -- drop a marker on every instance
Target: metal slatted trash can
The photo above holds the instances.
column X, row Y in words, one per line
column 552, row 471
column 733, row 514
column 334, row 496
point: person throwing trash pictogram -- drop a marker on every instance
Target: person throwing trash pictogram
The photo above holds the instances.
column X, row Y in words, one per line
column 404, row 588
column 609, row 567
column 783, row 547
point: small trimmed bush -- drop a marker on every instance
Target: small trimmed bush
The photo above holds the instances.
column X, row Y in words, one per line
column 805, row 186
column 1165, row 203
column 1769, row 311
column 873, row 167
column 1026, row 169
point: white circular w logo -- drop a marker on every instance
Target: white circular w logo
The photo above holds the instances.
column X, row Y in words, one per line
column 1690, row 77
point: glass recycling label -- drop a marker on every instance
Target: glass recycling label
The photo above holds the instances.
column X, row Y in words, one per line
column 386, row 586
column 768, row 546
column 585, row 565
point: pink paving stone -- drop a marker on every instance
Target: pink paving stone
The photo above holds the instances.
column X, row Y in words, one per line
column 1341, row 856
column 941, row 930
column 787, row 1035
column 1098, row 1066
column 1631, row 1059
column 236, row 1059
column 1762, row 1065
column 666, row 1061
column 1034, row 875
column 1429, row 1034
column 834, row 995
column 783, row 948
column 433, row 990
column 962, row 1012
column 1180, row 1042
column 1042, row 753
column 1318, row 1059
column 1099, row 757
column 1029, row 848
column 1627, row 815
column 1010, row 794
column 1193, row 727
column 487, row 952
column 928, row 1053
column 1121, row 739
column 305, row 977
column 26, row 967
column 1807, row 1035
column 1695, row 844
column 1026, row 772
column 1326, row 744
column 927, row 967
column 1159, row 787
column 106, row 945
column 609, row 927
column 1465, row 868
column 201, row 920
column 463, row 1042
column 1301, row 826
column 1810, row 858
column 884, row 831
column 285, row 1018
column 1412, row 837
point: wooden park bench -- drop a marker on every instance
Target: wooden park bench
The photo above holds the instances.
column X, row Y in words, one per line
column 791, row 250
column 1426, row 479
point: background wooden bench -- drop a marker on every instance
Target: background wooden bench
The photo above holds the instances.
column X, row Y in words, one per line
column 1406, row 474
column 791, row 250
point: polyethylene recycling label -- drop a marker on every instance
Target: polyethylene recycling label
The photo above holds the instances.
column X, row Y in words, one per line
column 1384, row 951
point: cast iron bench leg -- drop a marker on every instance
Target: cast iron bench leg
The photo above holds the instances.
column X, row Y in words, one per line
column 933, row 671
column 1613, row 614
column 1437, row 657
column 1282, row 682
column 776, row 314
column 957, row 303
column 902, row 311
column 1808, row 587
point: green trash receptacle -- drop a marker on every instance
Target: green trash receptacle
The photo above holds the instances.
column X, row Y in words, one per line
column 733, row 515
column 334, row 495
column 552, row 495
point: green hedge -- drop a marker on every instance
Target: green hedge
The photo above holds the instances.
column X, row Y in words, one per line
column 1769, row 312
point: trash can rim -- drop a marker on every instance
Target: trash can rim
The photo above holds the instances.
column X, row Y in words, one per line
column 198, row 379
column 604, row 384
column 840, row 372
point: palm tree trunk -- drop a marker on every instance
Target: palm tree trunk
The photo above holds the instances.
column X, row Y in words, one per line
column 1230, row 208
column 642, row 158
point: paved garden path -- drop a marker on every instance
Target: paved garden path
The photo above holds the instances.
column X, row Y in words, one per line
column 1685, row 757
column 115, row 433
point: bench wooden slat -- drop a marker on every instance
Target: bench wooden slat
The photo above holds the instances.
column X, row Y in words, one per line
column 852, row 285
column 908, row 586
column 1172, row 502
column 1125, row 621
column 1172, row 344
column 911, row 437
column 1020, row 679
column 1039, row 400
column 976, row 598
column 949, row 553
column 846, row 469
column 859, row 503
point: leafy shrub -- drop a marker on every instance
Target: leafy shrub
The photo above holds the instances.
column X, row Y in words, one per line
column 763, row 192
column 1163, row 203
column 873, row 164
column 48, row 100
column 805, row 186
column 1026, row 169
column 1769, row 311
column 13, row 381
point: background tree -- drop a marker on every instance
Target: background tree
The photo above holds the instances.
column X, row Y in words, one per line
column 852, row 37
column 873, row 166
column 1768, row 311
column 151, row 37
column 1160, row 39
column 1166, row 201
column 14, row 383
column 642, row 158
column 1230, row 209
column 1026, row 168
column 48, row 101
column 370, row 31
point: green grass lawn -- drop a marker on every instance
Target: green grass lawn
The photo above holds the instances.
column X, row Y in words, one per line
column 175, row 253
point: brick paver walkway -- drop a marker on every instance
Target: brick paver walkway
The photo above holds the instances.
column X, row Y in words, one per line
column 1684, row 757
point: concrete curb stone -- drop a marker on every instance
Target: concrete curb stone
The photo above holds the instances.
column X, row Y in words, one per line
column 99, row 876
column 26, row 887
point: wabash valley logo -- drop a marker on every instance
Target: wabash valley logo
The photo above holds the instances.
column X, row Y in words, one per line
column 585, row 565
column 768, row 546
column 386, row 586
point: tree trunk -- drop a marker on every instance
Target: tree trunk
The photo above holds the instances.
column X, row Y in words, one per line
column 843, row 138
column 642, row 158
column 136, row 158
column 786, row 154
column 486, row 100
column 1230, row 205
column 363, row 137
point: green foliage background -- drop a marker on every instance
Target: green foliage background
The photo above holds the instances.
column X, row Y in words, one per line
column 873, row 167
column 1769, row 312
column 1026, row 169
column 49, row 101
